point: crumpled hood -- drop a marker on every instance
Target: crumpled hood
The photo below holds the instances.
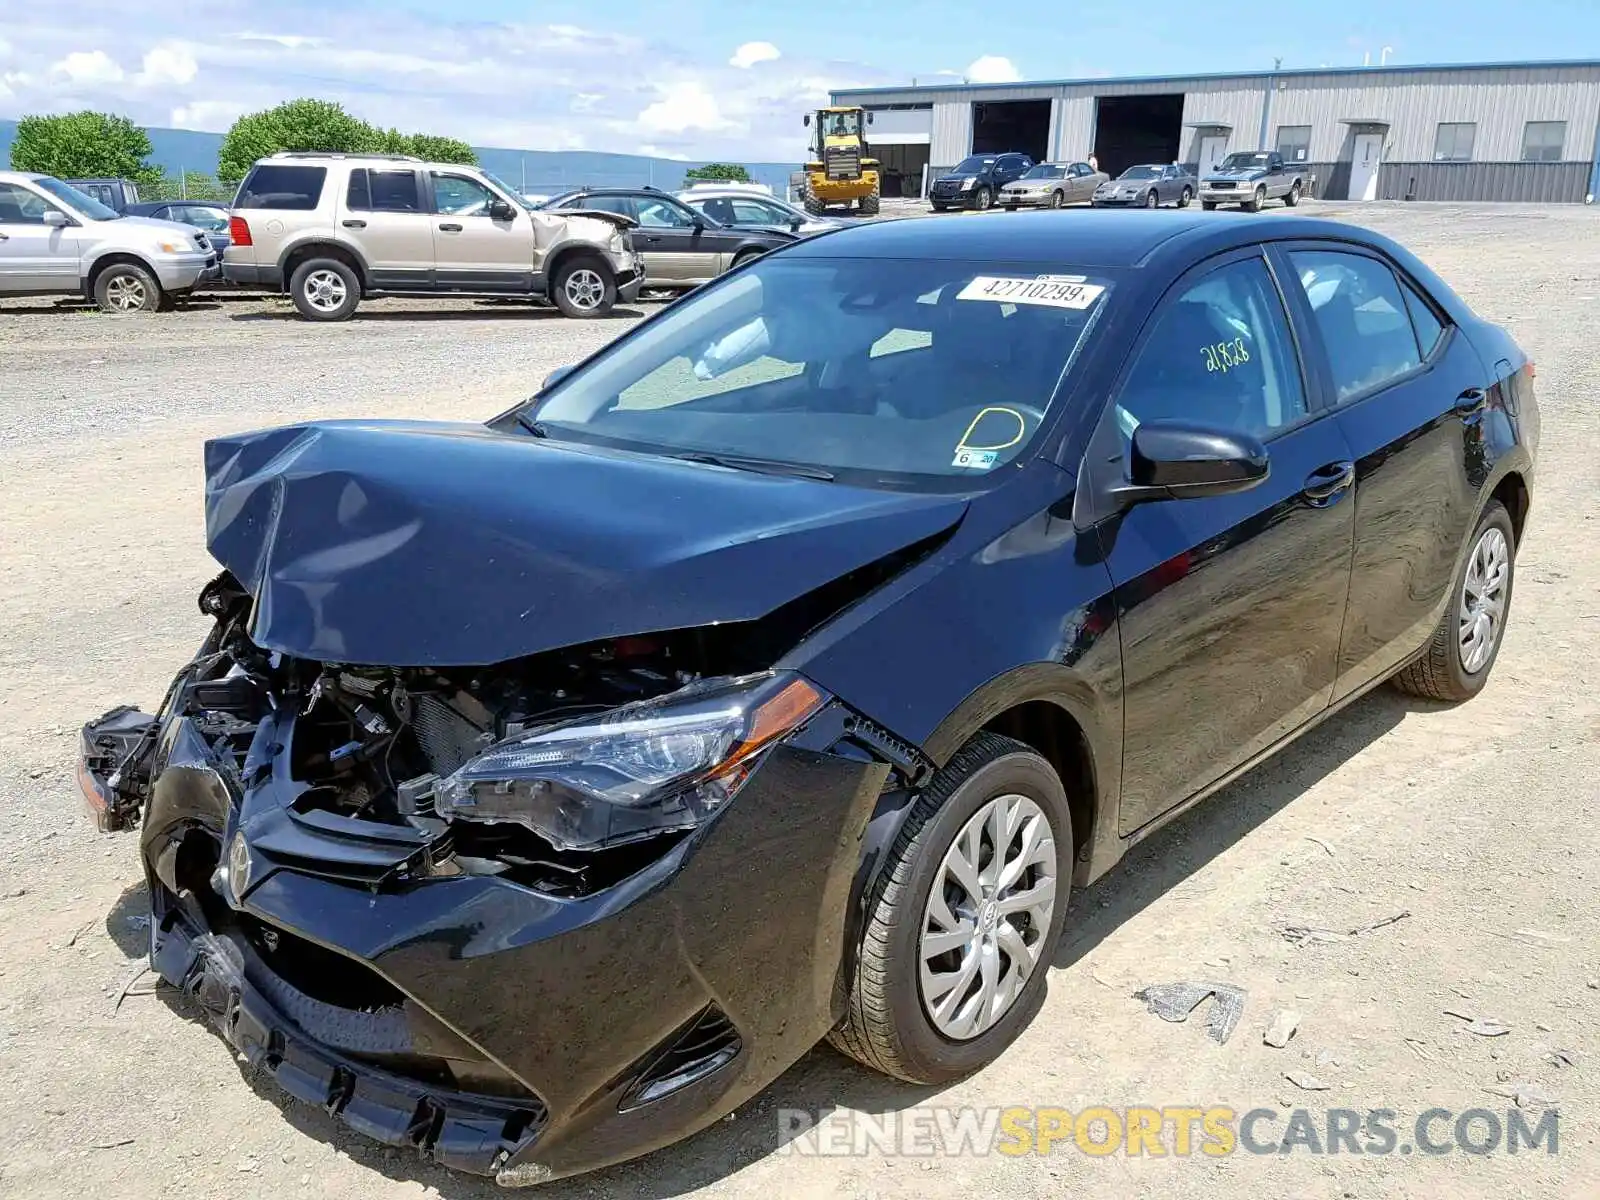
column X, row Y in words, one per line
column 431, row 544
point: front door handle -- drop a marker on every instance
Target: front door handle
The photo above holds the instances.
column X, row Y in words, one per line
column 354, row 224
column 1326, row 484
column 5, row 237
column 450, row 227
column 1471, row 403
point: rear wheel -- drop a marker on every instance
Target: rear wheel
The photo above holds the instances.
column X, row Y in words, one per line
column 584, row 287
column 963, row 920
column 1293, row 196
column 1184, row 197
column 1466, row 643
column 325, row 289
column 124, row 288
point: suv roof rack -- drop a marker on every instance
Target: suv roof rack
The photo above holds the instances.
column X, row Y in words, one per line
column 341, row 154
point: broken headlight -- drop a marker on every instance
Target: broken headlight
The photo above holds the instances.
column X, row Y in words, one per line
column 635, row 771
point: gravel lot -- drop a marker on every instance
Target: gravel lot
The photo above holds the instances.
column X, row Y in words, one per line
column 1482, row 823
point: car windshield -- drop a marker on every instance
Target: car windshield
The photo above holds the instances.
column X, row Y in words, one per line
column 516, row 197
column 1243, row 162
column 1141, row 173
column 84, row 204
column 212, row 220
column 906, row 373
column 1045, row 171
column 971, row 166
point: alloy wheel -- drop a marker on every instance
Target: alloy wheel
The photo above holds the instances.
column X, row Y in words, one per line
column 1483, row 600
column 585, row 288
column 325, row 291
column 126, row 293
column 984, row 926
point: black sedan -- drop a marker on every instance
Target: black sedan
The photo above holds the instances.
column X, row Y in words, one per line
column 1147, row 186
column 546, row 787
column 681, row 247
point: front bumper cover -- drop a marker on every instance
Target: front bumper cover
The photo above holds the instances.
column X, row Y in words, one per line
column 573, row 1002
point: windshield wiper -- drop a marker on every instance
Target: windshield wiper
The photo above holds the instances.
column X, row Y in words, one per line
column 535, row 428
column 764, row 466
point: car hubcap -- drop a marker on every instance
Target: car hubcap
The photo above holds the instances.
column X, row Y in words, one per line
column 1483, row 599
column 988, row 912
column 585, row 288
column 325, row 291
column 126, row 293
column 1150, row 200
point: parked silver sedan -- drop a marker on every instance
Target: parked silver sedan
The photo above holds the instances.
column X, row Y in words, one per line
column 1149, row 185
column 1052, row 185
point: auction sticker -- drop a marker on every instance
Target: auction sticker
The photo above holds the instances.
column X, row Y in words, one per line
column 1046, row 290
column 975, row 460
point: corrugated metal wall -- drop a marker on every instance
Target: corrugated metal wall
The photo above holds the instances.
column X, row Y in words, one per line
column 1498, row 100
column 1529, row 183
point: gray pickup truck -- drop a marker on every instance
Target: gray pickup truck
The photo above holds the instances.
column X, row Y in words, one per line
column 1249, row 178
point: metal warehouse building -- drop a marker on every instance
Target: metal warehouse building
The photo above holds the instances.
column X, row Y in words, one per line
column 1493, row 131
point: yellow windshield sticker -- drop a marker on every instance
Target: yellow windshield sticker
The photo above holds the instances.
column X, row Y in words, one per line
column 1010, row 424
column 1044, row 290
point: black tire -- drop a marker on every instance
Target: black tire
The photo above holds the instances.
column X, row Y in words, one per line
column 584, row 287
column 1184, row 197
column 1152, row 199
column 1440, row 674
column 1292, row 197
column 1208, row 205
column 745, row 256
column 325, row 289
column 870, row 205
column 814, row 206
column 1255, row 202
column 124, row 288
column 1057, row 200
column 885, row 1025
column 982, row 199
column 939, row 207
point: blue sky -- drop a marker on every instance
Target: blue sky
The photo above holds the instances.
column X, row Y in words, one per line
column 690, row 78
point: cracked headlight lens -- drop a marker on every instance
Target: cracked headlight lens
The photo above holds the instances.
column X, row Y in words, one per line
column 635, row 771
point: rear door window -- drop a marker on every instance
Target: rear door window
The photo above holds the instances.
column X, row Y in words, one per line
column 286, row 186
column 1361, row 315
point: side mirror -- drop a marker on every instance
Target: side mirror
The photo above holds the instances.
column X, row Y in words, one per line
column 556, row 377
column 55, row 218
column 499, row 210
column 794, row 225
column 1178, row 460
column 806, row 120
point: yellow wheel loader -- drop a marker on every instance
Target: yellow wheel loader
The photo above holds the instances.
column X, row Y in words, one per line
column 838, row 172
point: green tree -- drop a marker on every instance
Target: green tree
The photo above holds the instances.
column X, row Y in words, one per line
column 293, row 125
column 434, row 148
column 82, row 144
column 731, row 172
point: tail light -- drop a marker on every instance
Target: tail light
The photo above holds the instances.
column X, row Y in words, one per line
column 239, row 232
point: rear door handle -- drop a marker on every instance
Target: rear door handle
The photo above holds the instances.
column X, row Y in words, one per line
column 354, row 224
column 1471, row 403
column 5, row 237
column 450, row 227
column 1327, row 484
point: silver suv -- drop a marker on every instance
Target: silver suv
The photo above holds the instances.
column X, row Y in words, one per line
column 332, row 228
column 56, row 241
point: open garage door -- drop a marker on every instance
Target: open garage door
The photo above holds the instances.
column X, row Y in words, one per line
column 898, row 137
column 1021, row 125
column 1129, row 130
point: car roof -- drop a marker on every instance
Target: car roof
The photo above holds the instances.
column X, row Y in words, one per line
column 15, row 176
column 1104, row 239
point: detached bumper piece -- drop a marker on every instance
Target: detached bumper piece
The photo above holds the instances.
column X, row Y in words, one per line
column 476, row 1134
column 113, row 766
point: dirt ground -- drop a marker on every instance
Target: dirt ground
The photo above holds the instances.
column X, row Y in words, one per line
column 1482, row 823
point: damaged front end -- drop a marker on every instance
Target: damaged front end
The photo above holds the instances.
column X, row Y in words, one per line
column 510, row 915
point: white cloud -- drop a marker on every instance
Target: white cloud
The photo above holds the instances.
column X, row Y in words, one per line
column 751, row 53
column 88, row 66
column 5, row 48
column 212, row 115
column 169, row 63
column 650, row 151
column 586, row 101
column 992, row 68
column 683, row 106
column 289, row 41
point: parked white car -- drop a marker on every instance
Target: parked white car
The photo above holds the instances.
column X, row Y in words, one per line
column 740, row 207
column 57, row 241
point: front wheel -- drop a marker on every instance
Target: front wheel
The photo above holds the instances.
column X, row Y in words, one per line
column 1293, row 196
column 1184, row 197
column 1151, row 199
column 939, row 207
column 325, row 289
column 1208, row 205
column 814, row 206
column 124, row 288
column 1462, row 651
column 1057, row 199
column 982, row 199
column 962, row 921
column 584, row 287
column 1256, row 201
column 870, row 205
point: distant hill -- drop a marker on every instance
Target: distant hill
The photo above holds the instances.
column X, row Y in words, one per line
column 541, row 171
